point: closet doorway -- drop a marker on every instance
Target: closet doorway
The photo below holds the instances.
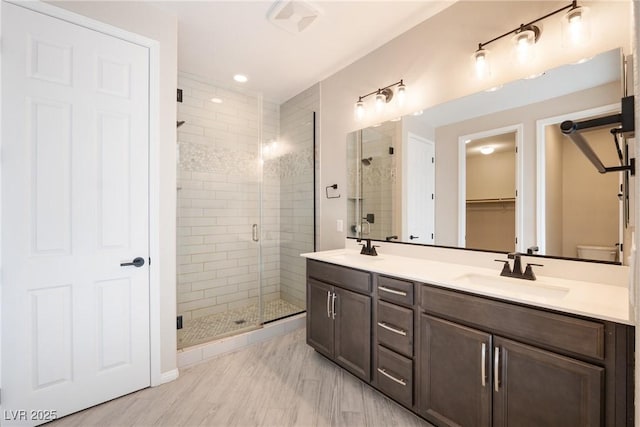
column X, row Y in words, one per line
column 489, row 205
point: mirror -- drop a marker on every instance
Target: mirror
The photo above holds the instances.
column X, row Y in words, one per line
column 407, row 178
column 490, row 192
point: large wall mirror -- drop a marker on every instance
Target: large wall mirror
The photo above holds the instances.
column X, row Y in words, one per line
column 491, row 171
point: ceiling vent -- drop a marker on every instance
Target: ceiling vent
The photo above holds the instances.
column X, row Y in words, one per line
column 293, row 16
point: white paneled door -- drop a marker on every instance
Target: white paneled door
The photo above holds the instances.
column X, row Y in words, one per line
column 420, row 191
column 75, row 149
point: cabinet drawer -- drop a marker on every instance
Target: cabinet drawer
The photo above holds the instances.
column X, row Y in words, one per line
column 394, row 290
column 395, row 327
column 394, row 375
column 356, row 280
column 525, row 324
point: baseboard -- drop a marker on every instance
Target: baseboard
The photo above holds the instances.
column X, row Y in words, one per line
column 167, row 377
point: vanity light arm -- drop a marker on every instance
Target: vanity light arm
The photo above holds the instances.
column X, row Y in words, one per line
column 573, row 5
column 360, row 98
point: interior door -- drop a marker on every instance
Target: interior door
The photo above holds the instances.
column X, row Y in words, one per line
column 420, row 191
column 75, row 119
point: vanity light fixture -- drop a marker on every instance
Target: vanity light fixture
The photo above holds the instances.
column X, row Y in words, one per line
column 575, row 31
column 383, row 97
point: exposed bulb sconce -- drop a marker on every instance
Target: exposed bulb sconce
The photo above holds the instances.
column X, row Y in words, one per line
column 524, row 41
column 576, row 29
column 575, row 32
column 383, row 97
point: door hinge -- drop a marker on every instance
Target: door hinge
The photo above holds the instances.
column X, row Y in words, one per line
column 432, row 235
column 179, row 322
column 432, row 196
column 149, row 260
column 179, row 95
column 433, row 160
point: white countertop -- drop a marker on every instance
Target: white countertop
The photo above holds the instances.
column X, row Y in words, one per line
column 596, row 300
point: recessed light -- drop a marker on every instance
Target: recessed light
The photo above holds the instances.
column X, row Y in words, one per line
column 418, row 113
column 486, row 150
column 240, row 78
column 216, row 100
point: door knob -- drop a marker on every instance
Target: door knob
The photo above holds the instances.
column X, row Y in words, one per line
column 414, row 237
column 137, row 262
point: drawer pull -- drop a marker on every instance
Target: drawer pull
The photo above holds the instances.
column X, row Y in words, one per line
column 392, row 329
column 391, row 377
column 392, row 291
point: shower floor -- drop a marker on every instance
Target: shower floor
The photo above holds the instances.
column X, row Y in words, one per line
column 208, row 328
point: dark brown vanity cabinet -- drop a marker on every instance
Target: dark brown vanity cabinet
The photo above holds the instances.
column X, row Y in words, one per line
column 460, row 359
column 339, row 315
column 485, row 362
column 393, row 335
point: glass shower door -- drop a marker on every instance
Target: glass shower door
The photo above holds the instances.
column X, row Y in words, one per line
column 219, row 211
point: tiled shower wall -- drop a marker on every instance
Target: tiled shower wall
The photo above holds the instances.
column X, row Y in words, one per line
column 296, row 192
column 219, row 180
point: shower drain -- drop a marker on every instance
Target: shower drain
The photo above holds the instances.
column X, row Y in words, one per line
column 239, row 322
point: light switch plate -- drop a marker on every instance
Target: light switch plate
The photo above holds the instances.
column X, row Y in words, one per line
column 339, row 226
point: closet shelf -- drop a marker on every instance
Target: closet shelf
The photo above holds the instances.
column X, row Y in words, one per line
column 499, row 200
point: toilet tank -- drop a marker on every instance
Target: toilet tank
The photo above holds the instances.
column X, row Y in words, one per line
column 599, row 253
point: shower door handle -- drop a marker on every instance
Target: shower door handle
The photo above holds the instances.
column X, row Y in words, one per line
column 254, row 228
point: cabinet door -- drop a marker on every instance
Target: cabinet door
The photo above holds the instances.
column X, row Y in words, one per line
column 455, row 385
column 319, row 317
column 353, row 332
column 539, row 388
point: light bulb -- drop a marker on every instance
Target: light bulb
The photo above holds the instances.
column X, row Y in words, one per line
column 575, row 27
column 481, row 64
column 380, row 101
column 360, row 109
column 486, row 150
column 401, row 93
column 524, row 41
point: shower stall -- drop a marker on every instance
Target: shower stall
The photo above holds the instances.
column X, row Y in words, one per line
column 245, row 208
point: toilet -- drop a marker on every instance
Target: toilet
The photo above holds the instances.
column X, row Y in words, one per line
column 599, row 253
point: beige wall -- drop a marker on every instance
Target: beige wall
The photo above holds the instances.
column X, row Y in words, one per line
column 553, row 189
column 589, row 197
column 148, row 21
column 434, row 60
column 492, row 176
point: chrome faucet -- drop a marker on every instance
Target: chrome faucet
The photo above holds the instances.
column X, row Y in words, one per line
column 517, row 272
column 368, row 248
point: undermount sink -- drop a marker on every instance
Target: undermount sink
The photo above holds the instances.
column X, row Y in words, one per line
column 522, row 287
column 354, row 257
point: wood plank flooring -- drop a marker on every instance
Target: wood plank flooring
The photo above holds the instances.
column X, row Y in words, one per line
column 280, row 382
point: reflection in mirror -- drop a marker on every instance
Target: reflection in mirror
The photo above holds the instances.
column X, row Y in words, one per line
column 491, row 192
column 382, row 188
column 575, row 196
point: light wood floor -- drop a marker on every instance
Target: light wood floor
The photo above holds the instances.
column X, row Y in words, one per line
column 281, row 382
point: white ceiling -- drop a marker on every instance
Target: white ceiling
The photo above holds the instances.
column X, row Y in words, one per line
column 217, row 39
